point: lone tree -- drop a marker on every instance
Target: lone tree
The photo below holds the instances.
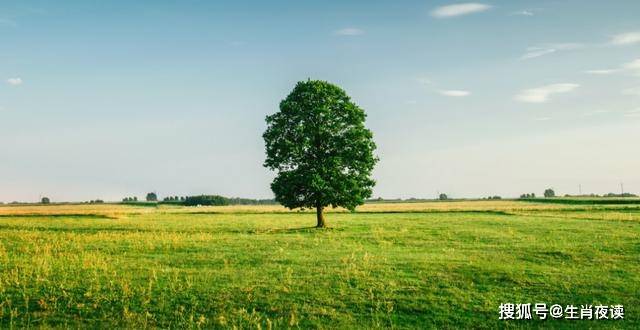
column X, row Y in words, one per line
column 549, row 193
column 45, row 200
column 152, row 197
column 321, row 149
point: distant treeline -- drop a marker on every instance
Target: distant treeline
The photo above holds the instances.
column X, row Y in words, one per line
column 441, row 197
column 214, row 200
column 46, row 200
column 609, row 195
column 398, row 200
column 152, row 200
column 584, row 201
column 549, row 193
column 221, row 200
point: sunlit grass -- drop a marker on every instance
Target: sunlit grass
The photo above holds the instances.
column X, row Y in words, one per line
column 438, row 264
column 122, row 210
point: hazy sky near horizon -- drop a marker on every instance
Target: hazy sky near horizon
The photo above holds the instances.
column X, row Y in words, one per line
column 106, row 99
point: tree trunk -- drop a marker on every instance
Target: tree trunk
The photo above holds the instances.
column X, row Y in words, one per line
column 320, row 216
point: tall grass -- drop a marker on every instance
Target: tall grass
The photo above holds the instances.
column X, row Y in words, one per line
column 446, row 265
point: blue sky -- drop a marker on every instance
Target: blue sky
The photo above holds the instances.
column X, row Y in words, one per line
column 105, row 99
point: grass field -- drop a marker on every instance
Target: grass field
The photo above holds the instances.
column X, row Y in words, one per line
column 417, row 265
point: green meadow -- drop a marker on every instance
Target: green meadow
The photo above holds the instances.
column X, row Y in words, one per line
column 421, row 265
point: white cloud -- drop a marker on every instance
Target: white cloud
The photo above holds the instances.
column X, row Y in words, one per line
column 432, row 86
column 628, row 38
column 14, row 81
column 537, row 51
column 523, row 13
column 602, row 71
column 633, row 113
column 454, row 93
column 622, row 39
column 459, row 9
column 634, row 91
column 543, row 94
column 542, row 119
column 533, row 52
column 349, row 32
column 633, row 65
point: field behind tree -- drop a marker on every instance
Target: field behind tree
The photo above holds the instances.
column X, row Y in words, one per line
column 403, row 265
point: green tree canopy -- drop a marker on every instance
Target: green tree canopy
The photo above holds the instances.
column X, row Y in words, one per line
column 549, row 193
column 152, row 197
column 205, row 200
column 321, row 149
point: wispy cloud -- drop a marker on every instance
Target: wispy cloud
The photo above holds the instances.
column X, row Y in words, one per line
column 533, row 52
column 543, row 94
column 350, row 31
column 623, row 39
column 541, row 50
column 632, row 67
column 633, row 113
column 14, row 81
column 634, row 91
column 432, row 86
column 454, row 93
column 525, row 12
column 602, row 71
column 459, row 9
column 424, row 81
